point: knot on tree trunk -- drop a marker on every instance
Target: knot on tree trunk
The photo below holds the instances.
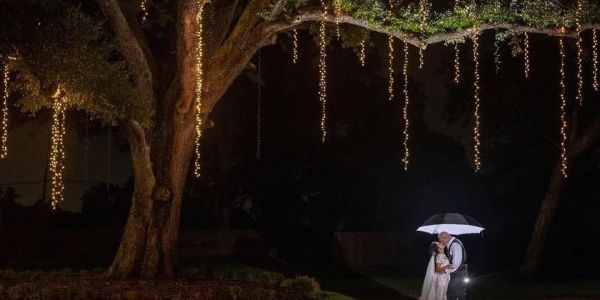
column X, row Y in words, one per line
column 162, row 193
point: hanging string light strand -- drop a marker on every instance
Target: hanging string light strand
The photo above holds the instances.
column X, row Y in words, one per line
column 323, row 74
column 423, row 12
column 406, row 158
column 294, row 46
column 390, row 67
column 497, row 54
column 144, row 9
column 477, row 100
column 563, row 106
column 595, row 59
column 57, row 148
column 526, row 55
column 456, row 63
column 362, row 55
column 5, row 94
column 199, row 82
column 579, row 53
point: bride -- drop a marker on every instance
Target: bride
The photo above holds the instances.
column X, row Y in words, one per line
column 436, row 279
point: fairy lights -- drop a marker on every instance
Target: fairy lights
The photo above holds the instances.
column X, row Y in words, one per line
column 391, row 58
column 476, row 128
column 259, row 109
column 497, row 55
column 424, row 14
column 144, row 9
column 294, row 46
column 595, row 59
column 4, row 139
column 526, row 56
column 579, row 53
column 563, row 108
column 337, row 6
column 390, row 68
column 57, row 148
column 362, row 55
column 406, row 158
column 456, row 63
column 323, row 74
column 199, row 82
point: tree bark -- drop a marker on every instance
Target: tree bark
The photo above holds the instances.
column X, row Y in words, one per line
column 547, row 210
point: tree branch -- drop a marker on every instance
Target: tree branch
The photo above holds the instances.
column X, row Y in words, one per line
column 140, row 63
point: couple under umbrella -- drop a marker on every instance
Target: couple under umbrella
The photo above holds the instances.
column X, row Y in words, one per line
column 446, row 277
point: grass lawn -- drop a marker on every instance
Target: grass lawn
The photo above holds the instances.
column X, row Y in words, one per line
column 501, row 287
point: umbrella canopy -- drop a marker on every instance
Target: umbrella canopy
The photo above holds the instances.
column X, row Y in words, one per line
column 451, row 223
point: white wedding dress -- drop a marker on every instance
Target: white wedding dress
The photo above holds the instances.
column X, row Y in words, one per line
column 435, row 285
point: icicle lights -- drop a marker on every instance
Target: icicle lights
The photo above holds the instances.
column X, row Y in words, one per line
column 563, row 111
column 57, row 148
column 323, row 73
column 477, row 100
column 199, row 82
column 406, row 158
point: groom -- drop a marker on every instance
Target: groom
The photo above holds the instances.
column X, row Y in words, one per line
column 456, row 253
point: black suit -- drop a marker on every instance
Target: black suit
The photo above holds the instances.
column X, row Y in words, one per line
column 457, row 287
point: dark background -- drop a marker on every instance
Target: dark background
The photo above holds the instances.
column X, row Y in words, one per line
column 299, row 192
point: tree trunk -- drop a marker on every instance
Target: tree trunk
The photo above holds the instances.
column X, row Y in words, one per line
column 549, row 203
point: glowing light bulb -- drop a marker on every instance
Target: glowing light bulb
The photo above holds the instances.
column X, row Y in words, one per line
column 406, row 158
column 563, row 111
column 199, row 82
column 144, row 9
column 258, row 109
column 323, row 74
column 5, row 94
column 57, row 148
column 579, row 53
column 456, row 63
column 476, row 128
column 294, row 46
column 595, row 59
column 363, row 55
column 526, row 56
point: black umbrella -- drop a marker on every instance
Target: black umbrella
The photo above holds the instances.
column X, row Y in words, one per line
column 451, row 223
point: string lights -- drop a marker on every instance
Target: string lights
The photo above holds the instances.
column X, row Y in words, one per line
column 390, row 68
column 595, row 59
column 144, row 9
column 363, row 55
column 259, row 109
column 423, row 12
column 476, row 128
column 323, row 74
column 526, row 56
column 4, row 138
column 57, row 148
column 579, row 53
column 497, row 54
column 406, row 158
column 199, row 81
column 294, row 46
column 563, row 108
column 337, row 7
column 456, row 63
column 391, row 58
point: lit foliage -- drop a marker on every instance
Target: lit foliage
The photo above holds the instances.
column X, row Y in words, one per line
column 58, row 44
column 534, row 13
column 57, row 148
column 199, row 82
column 563, row 111
column 406, row 158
